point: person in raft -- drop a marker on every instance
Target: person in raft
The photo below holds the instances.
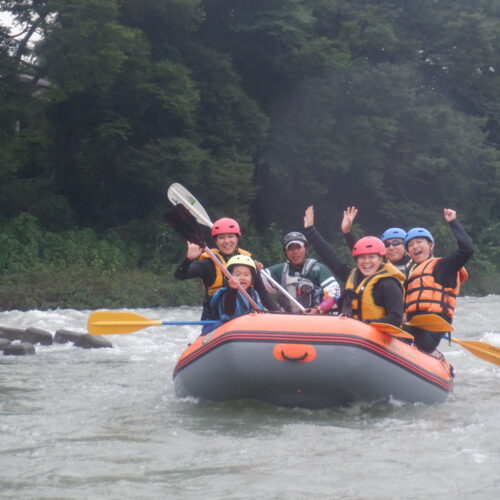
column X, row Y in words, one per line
column 198, row 264
column 392, row 237
column 228, row 302
column 306, row 280
column 374, row 288
column 434, row 283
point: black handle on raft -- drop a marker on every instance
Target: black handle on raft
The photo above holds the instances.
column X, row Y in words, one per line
column 293, row 358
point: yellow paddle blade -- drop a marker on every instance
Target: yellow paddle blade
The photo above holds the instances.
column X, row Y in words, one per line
column 392, row 330
column 431, row 322
column 109, row 323
column 482, row 350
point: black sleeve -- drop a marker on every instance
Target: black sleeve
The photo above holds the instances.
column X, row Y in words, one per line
column 181, row 273
column 445, row 272
column 326, row 254
column 264, row 295
column 204, row 269
column 389, row 295
column 350, row 240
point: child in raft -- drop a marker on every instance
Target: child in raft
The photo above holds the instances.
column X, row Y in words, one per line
column 228, row 302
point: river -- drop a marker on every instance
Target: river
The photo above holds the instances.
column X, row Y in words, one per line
column 105, row 424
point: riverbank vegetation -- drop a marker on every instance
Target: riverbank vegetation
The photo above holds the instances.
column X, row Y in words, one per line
column 259, row 108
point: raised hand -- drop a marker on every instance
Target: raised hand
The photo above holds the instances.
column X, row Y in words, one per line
column 193, row 251
column 309, row 217
column 449, row 214
column 349, row 216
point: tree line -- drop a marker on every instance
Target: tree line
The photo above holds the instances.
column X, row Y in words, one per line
column 260, row 108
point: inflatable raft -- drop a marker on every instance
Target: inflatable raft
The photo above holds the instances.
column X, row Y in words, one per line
column 310, row 362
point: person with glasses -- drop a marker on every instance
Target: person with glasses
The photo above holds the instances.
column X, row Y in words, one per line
column 374, row 288
column 393, row 239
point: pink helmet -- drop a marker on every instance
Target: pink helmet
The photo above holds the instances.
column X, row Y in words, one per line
column 368, row 244
column 225, row 226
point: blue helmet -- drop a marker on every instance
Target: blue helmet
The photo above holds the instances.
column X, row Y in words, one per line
column 418, row 232
column 393, row 232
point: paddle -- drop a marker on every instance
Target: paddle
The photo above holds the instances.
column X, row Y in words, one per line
column 482, row 350
column 109, row 323
column 177, row 193
column 435, row 323
column 430, row 322
column 180, row 219
column 267, row 276
column 391, row 330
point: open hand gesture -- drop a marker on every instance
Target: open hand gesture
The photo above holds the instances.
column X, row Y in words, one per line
column 193, row 251
column 309, row 217
column 349, row 216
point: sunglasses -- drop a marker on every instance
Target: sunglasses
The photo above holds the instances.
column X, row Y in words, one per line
column 393, row 243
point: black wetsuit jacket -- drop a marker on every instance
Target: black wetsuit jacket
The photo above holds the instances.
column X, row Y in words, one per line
column 386, row 293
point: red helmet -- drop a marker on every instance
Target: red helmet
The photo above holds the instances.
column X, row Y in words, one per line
column 225, row 226
column 368, row 244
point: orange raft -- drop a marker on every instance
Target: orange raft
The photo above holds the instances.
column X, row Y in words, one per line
column 310, row 362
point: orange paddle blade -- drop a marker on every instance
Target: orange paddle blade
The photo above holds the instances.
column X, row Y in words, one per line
column 108, row 322
column 392, row 330
column 482, row 350
column 431, row 322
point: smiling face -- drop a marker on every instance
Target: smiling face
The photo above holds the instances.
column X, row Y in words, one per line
column 419, row 249
column 369, row 263
column 395, row 249
column 226, row 243
column 296, row 253
column 243, row 274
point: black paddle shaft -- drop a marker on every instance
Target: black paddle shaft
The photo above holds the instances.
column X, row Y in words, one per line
column 185, row 224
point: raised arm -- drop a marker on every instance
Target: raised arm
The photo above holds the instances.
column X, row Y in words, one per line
column 322, row 248
column 346, row 225
column 191, row 267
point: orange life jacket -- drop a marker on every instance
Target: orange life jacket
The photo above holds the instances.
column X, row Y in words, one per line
column 423, row 294
column 219, row 277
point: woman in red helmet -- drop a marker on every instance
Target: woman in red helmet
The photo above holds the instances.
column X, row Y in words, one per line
column 373, row 289
column 197, row 264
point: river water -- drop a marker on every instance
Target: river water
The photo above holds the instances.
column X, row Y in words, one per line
column 105, row 424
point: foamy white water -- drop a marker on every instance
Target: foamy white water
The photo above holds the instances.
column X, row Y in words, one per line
column 104, row 423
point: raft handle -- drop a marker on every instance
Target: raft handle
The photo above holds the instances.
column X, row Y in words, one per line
column 293, row 358
column 297, row 353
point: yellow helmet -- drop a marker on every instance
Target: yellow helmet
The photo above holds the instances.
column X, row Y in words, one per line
column 241, row 260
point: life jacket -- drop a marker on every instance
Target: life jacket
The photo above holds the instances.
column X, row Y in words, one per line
column 242, row 305
column 219, row 276
column 300, row 287
column 362, row 301
column 405, row 265
column 424, row 295
column 408, row 268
